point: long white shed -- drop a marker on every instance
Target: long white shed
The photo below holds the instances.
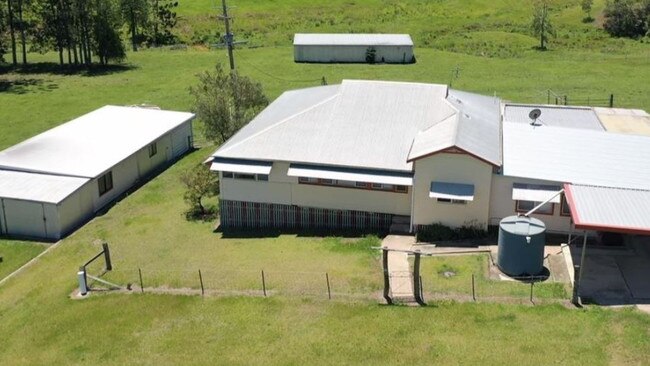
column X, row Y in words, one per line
column 353, row 48
column 52, row 183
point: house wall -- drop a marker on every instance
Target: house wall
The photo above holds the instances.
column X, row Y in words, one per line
column 454, row 168
column 502, row 204
column 146, row 165
column 76, row 208
column 3, row 225
column 283, row 189
column 182, row 139
column 390, row 54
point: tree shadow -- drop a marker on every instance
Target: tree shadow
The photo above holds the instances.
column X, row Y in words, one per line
column 53, row 68
column 25, row 85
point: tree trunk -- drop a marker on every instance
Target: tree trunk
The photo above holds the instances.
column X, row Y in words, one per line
column 61, row 55
column 12, row 32
column 133, row 32
column 23, row 41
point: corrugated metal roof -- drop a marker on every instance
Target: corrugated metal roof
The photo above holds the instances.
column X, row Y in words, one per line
column 351, row 39
column 37, row 187
column 241, row 166
column 609, row 209
column 474, row 127
column 93, row 143
column 366, row 124
column 576, row 156
column 452, row 191
column 633, row 121
column 350, row 174
column 555, row 116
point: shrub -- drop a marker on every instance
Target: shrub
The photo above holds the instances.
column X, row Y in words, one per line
column 627, row 18
column 440, row 232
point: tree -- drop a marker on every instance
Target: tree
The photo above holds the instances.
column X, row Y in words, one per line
column 226, row 102
column 199, row 182
column 541, row 25
column 12, row 30
column 586, row 7
column 107, row 41
column 163, row 19
column 627, row 18
column 136, row 15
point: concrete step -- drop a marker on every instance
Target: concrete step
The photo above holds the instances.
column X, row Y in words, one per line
column 397, row 219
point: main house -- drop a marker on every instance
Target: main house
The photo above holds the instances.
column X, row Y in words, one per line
column 371, row 154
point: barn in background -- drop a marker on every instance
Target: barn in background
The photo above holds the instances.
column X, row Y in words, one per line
column 353, row 48
column 52, row 183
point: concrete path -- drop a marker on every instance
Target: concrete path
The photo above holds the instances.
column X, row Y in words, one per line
column 401, row 280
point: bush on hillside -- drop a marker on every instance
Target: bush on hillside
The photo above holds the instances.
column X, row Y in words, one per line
column 627, row 18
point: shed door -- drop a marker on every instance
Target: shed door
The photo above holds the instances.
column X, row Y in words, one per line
column 180, row 141
column 24, row 218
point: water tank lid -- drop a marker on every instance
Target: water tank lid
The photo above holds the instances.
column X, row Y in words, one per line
column 522, row 225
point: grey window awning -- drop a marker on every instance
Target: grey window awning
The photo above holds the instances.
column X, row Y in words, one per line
column 535, row 192
column 241, row 166
column 350, row 174
column 452, row 191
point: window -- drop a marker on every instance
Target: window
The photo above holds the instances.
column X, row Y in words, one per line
column 244, row 176
column 525, row 206
column 564, row 208
column 105, row 183
column 153, row 149
column 263, row 177
column 227, row 174
column 401, row 189
column 452, row 201
column 327, row 181
column 361, row 184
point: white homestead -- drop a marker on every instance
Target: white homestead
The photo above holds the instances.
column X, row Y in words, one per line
column 353, row 48
column 55, row 181
column 372, row 154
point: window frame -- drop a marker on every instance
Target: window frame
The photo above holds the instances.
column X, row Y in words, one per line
column 520, row 210
column 105, row 183
column 153, row 149
column 451, row 201
column 564, row 203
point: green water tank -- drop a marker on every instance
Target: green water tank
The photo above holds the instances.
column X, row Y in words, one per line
column 521, row 246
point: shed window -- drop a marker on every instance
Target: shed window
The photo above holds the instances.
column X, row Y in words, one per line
column 244, row 176
column 153, row 149
column 105, row 183
column 402, row 189
column 227, row 174
column 263, row 177
column 525, row 206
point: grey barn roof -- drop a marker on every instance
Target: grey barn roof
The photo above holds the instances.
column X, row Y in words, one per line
column 368, row 124
column 556, row 116
column 351, row 39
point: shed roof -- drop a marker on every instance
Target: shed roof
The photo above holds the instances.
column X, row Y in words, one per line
column 93, row 143
column 556, row 116
column 634, row 121
column 352, row 39
column 609, row 209
column 38, row 187
column 576, row 156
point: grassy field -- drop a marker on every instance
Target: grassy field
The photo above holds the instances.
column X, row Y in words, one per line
column 16, row 253
column 491, row 45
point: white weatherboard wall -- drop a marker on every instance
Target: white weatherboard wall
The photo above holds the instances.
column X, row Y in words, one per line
column 284, row 189
column 502, row 205
column 453, row 168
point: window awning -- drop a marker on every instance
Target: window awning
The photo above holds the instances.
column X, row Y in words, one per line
column 535, row 192
column 241, row 166
column 452, row 191
column 350, row 174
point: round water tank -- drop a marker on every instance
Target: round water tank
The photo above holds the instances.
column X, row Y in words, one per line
column 521, row 246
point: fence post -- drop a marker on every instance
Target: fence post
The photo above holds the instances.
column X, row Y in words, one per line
column 566, row 100
column 384, row 261
column 201, row 279
column 81, row 277
column 263, row 283
column 107, row 257
column 611, row 101
column 531, row 289
column 141, row 283
column 329, row 291
column 473, row 288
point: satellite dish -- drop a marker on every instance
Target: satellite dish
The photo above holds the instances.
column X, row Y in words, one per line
column 534, row 114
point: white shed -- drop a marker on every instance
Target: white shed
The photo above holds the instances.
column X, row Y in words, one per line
column 53, row 182
column 353, row 48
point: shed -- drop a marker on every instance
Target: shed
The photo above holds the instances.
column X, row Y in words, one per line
column 53, row 182
column 353, row 48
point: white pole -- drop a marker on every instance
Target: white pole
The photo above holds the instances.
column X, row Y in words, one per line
column 582, row 263
column 83, row 289
column 543, row 203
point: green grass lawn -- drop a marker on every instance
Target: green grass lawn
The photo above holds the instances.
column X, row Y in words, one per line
column 489, row 41
column 16, row 253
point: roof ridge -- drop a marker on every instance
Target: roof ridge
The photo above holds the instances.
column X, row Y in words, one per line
column 338, row 93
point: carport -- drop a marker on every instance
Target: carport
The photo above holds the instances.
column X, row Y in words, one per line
column 612, row 210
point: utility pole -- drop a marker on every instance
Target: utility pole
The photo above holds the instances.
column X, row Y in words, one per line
column 228, row 38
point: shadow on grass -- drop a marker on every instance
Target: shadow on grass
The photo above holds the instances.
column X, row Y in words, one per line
column 25, row 85
column 53, row 68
